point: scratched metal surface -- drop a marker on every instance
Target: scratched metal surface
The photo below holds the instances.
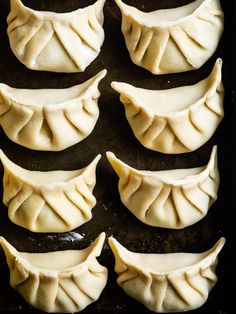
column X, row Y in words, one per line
column 113, row 133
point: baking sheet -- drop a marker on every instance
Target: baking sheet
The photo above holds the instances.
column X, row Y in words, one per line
column 113, row 133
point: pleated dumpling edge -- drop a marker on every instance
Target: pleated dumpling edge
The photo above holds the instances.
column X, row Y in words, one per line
column 57, row 42
column 169, row 199
column 52, row 201
column 176, row 120
column 55, row 281
column 173, row 282
column 172, row 40
column 50, row 119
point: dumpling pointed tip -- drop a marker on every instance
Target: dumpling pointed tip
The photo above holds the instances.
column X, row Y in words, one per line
column 113, row 243
column 97, row 245
column 120, row 4
column 125, row 89
column 116, row 86
column 214, row 150
column 4, row 159
column 100, row 3
column 118, row 166
column 96, row 79
column 102, row 74
column 119, row 251
column 218, row 246
column 6, row 246
column 97, row 159
column 113, row 84
column 221, row 242
column 17, row 2
column 91, row 167
column 93, row 164
column 213, row 158
column 110, row 239
column 110, row 156
column 217, row 67
column 219, row 62
column 102, row 236
column 2, row 239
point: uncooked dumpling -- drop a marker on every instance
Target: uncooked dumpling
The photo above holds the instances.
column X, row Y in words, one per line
column 171, row 198
column 57, row 42
column 172, row 40
column 61, row 281
column 166, row 283
column 177, row 120
column 52, row 201
column 50, row 119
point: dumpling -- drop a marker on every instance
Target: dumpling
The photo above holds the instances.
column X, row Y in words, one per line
column 171, row 198
column 52, row 201
column 172, row 40
column 57, row 42
column 177, row 120
column 167, row 283
column 50, row 119
column 60, row 281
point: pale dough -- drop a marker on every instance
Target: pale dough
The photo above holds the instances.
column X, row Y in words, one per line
column 52, row 201
column 56, row 42
column 58, row 282
column 50, row 119
column 177, row 120
column 172, row 40
column 165, row 283
column 169, row 199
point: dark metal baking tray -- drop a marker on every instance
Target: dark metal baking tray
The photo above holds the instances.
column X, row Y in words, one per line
column 113, row 133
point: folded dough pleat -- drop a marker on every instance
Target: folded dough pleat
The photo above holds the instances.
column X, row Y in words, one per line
column 177, row 120
column 50, row 119
column 53, row 201
column 57, row 42
column 172, row 40
column 60, row 281
column 165, row 283
column 171, row 198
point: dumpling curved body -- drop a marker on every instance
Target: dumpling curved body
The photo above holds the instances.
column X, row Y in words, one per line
column 172, row 40
column 57, row 42
column 177, row 120
column 166, row 283
column 53, row 201
column 57, row 282
column 50, row 119
column 171, row 198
